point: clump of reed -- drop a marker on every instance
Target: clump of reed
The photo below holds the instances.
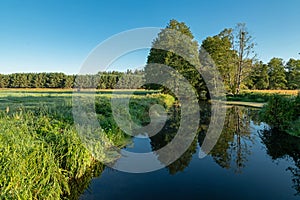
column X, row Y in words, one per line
column 39, row 156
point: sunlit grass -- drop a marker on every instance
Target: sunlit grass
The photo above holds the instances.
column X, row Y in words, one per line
column 41, row 153
column 284, row 92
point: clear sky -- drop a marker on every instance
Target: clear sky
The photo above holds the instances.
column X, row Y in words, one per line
column 57, row 35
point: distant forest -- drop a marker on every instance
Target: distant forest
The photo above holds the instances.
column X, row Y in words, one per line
column 103, row 80
column 273, row 75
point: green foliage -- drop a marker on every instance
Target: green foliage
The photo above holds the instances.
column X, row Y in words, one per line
column 277, row 74
column 293, row 74
column 259, row 77
column 220, row 50
column 278, row 113
column 282, row 113
column 231, row 51
column 103, row 80
column 294, row 128
column 39, row 155
column 176, row 37
column 247, row 96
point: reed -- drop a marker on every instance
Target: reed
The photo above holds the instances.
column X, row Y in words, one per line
column 41, row 152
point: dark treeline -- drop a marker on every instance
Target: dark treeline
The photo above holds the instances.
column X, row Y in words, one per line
column 102, row 80
column 274, row 75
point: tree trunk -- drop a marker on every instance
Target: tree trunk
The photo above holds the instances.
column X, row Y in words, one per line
column 240, row 61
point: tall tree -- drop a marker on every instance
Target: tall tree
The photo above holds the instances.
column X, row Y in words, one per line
column 293, row 74
column 4, row 81
column 219, row 47
column 259, row 77
column 176, row 37
column 277, row 76
column 232, row 51
column 243, row 44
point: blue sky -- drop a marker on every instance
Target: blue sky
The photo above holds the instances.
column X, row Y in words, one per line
column 57, row 35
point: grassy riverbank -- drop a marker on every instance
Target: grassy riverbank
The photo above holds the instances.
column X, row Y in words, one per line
column 42, row 154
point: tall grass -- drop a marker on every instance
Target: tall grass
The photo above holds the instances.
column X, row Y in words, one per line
column 41, row 153
column 40, row 157
column 29, row 168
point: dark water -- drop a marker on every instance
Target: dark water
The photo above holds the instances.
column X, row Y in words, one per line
column 248, row 162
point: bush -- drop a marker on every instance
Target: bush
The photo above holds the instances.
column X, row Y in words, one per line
column 279, row 112
column 283, row 113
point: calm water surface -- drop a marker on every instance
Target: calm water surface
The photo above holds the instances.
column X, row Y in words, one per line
column 249, row 162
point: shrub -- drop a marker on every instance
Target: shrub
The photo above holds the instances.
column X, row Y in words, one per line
column 279, row 112
column 283, row 113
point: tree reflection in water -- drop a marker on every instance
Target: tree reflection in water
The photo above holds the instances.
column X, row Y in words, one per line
column 283, row 146
column 234, row 144
column 232, row 148
column 166, row 135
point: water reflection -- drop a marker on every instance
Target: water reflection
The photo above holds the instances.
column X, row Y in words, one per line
column 78, row 186
column 166, row 136
column 232, row 148
column 241, row 162
column 234, row 144
column 283, row 146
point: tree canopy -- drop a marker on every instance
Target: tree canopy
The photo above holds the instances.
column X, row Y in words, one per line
column 175, row 47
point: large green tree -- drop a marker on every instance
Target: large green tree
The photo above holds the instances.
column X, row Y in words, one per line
column 276, row 73
column 176, row 37
column 232, row 50
column 219, row 47
column 293, row 74
column 259, row 78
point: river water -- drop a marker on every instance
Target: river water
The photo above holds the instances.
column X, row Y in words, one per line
column 249, row 161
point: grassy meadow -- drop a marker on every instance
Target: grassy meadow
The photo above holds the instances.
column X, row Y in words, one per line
column 42, row 155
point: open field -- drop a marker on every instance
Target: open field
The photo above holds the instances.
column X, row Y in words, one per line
column 137, row 91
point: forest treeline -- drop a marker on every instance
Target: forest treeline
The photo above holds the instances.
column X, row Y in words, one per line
column 232, row 52
column 102, row 80
column 272, row 75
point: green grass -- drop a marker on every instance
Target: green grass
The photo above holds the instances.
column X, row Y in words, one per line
column 260, row 96
column 41, row 153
